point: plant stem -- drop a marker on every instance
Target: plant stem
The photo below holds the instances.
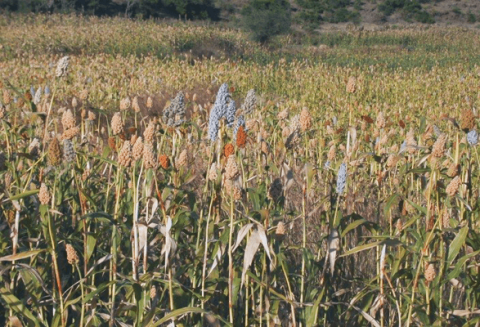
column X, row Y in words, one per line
column 230, row 260
column 55, row 267
column 114, row 246
column 83, row 295
column 304, row 244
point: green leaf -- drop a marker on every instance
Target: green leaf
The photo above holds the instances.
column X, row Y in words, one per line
column 458, row 267
column 97, row 291
column 391, row 201
column 56, row 321
column 388, row 242
column 99, row 216
column 137, row 289
column 19, row 256
column 354, row 225
column 183, row 311
column 312, row 317
column 361, row 248
column 17, row 306
column 465, row 203
column 24, row 194
column 32, row 280
column 457, row 244
column 72, row 302
column 416, row 206
column 44, row 209
column 410, row 222
column 91, row 241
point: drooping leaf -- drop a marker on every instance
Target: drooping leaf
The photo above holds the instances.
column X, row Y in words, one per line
column 19, row 256
column 353, row 225
column 458, row 267
column 218, row 257
column 263, row 238
column 24, row 194
column 252, row 247
column 241, row 235
column 361, row 248
column 99, row 289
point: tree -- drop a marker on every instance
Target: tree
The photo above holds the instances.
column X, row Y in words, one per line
column 266, row 18
column 193, row 9
column 128, row 5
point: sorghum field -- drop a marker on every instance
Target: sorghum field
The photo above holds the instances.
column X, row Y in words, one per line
column 178, row 174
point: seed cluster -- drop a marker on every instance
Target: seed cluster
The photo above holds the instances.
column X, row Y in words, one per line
column 174, row 114
column 72, row 256
column 149, row 159
column 164, row 161
column 62, row 66
column 125, row 155
column 117, row 124
column 44, row 195
column 341, row 178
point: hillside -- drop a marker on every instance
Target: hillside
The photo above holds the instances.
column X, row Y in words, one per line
column 444, row 12
column 330, row 14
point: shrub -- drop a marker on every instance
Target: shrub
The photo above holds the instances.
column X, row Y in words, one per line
column 266, row 18
column 411, row 9
column 424, row 17
column 388, row 7
column 343, row 15
column 457, row 10
column 310, row 14
column 358, row 4
column 471, row 18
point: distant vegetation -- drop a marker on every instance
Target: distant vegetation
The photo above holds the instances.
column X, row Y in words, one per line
column 313, row 12
column 262, row 18
column 193, row 9
column 409, row 8
column 266, row 18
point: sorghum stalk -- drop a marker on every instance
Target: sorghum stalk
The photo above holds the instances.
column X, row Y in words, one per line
column 114, row 245
column 204, row 267
column 55, row 267
column 135, row 259
column 84, row 221
column 82, row 314
column 304, row 244
column 419, row 265
column 7, row 140
column 230, row 259
column 48, row 116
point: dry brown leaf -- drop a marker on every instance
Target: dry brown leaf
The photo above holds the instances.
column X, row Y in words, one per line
column 252, row 247
column 142, row 236
column 241, row 235
column 263, row 238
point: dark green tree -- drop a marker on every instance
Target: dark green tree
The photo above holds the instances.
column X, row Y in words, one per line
column 193, row 9
column 266, row 18
column 310, row 13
